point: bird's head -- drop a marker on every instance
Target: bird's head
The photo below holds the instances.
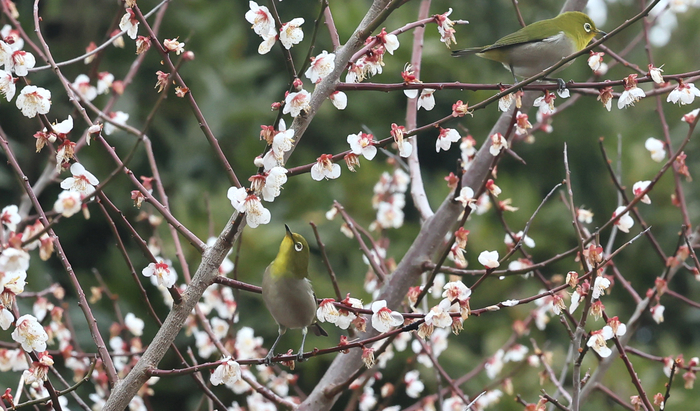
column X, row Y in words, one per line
column 293, row 256
column 579, row 27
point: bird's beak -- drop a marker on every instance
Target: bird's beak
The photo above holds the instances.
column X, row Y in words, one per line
column 602, row 32
column 289, row 232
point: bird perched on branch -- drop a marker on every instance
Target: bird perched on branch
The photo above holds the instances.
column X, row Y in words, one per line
column 287, row 291
column 540, row 45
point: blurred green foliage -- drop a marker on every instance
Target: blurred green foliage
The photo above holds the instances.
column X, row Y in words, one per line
column 234, row 87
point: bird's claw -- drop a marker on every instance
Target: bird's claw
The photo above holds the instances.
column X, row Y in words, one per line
column 300, row 357
column 561, row 83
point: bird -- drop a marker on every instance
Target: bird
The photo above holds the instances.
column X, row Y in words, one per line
column 540, row 45
column 287, row 291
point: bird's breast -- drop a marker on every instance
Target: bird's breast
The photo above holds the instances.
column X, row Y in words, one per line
column 291, row 301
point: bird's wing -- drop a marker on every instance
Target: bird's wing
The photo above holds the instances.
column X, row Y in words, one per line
column 535, row 32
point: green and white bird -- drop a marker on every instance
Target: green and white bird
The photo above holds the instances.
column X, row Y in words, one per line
column 540, row 45
column 287, row 291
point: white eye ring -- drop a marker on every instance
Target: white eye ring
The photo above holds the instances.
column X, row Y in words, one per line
column 587, row 27
column 298, row 246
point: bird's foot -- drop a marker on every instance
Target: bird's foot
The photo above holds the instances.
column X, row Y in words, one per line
column 561, row 83
column 300, row 356
column 268, row 358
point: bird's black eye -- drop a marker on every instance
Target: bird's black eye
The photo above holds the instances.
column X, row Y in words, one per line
column 298, row 246
column 587, row 27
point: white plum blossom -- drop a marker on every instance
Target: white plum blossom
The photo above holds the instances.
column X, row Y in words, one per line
column 83, row 87
column 247, row 343
column 261, row 19
column 494, row 365
column 249, row 204
column 13, row 260
column 362, row 143
column 638, row 188
column 269, row 40
column 281, row 143
column 615, row 327
column 656, row 148
column 118, row 117
column 632, row 93
column 489, row 259
column 276, row 177
column 595, row 60
column 7, row 85
column 598, row 344
column 516, row 353
column 134, row 324
column 339, row 100
column 498, row 144
column 297, row 102
column 426, row 99
column 599, row 286
column 466, row 197
column 445, row 139
column 104, row 82
column 389, row 41
column 83, row 181
column 527, row 241
column 688, row 118
column 625, row 222
column 345, row 317
column 456, row 290
column 657, row 313
column 219, row 327
column 439, row 315
column 20, row 62
column 34, row 100
column 30, row 334
column 68, row 203
column 684, row 94
column 291, row 33
column 325, row 168
column 414, row 386
column 9, row 217
column 327, row 312
column 228, row 372
column 383, row 318
column 390, row 215
column 130, row 24
column 161, row 272
column 445, row 28
column 320, row 67
column 6, row 319
column 545, row 103
column 655, row 73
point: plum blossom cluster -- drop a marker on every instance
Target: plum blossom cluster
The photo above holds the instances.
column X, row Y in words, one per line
column 371, row 62
column 264, row 26
column 450, row 312
column 361, row 144
column 329, row 312
column 268, row 183
column 389, row 199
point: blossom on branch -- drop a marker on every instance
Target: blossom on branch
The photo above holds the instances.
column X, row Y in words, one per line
column 161, row 273
column 34, row 100
column 249, row 204
column 383, row 318
column 325, row 168
column 30, row 334
column 291, row 33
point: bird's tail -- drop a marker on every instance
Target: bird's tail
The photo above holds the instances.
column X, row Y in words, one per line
column 466, row 52
column 318, row 330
